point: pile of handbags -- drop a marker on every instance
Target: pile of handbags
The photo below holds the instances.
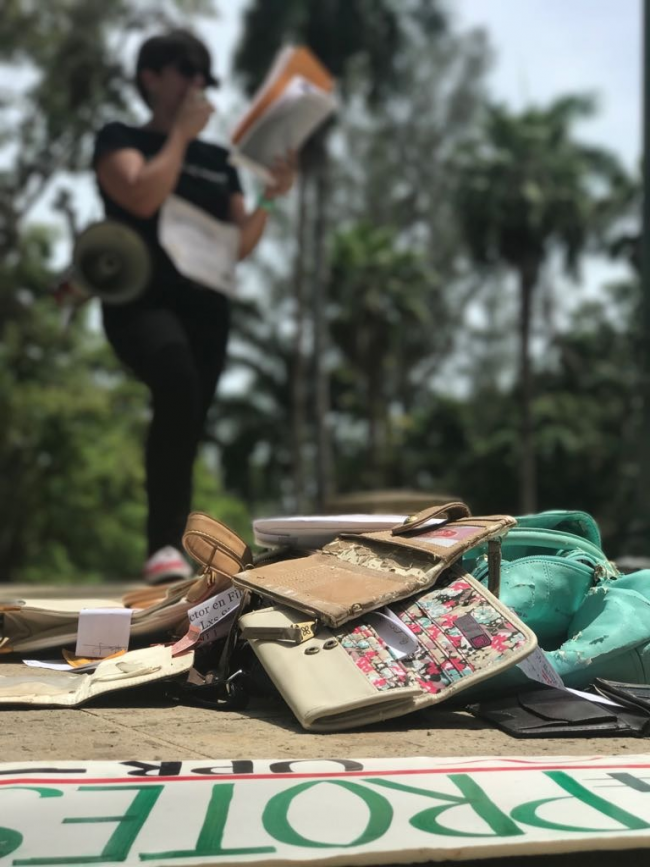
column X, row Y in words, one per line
column 444, row 607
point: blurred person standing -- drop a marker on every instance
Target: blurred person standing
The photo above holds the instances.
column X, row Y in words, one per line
column 174, row 336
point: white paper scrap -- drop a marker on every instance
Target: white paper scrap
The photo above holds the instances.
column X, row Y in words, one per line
column 200, row 246
column 219, row 630
column 44, row 663
column 103, row 631
column 55, row 665
column 394, row 633
column 598, row 699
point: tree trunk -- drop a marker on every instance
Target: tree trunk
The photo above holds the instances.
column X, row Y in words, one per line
column 527, row 463
column 324, row 480
column 298, row 371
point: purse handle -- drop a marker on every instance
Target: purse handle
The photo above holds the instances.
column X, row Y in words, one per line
column 449, row 511
column 217, row 548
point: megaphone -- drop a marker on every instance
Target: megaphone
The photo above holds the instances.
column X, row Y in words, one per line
column 110, row 261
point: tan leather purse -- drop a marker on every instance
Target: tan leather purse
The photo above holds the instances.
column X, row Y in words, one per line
column 358, row 573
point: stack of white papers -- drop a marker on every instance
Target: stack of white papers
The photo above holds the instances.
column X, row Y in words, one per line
column 313, row 531
column 296, row 97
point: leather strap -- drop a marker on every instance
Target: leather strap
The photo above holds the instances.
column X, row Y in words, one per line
column 494, row 566
column 449, row 512
column 216, row 547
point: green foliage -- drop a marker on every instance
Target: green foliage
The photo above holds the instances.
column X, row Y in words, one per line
column 528, row 188
column 70, row 417
column 527, row 185
column 384, row 304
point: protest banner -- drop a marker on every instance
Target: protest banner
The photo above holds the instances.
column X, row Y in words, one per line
column 369, row 811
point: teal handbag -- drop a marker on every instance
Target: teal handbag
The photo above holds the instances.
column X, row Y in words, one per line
column 549, row 564
column 590, row 620
column 609, row 636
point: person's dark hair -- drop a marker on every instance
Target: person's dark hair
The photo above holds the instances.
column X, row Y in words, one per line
column 177, row 47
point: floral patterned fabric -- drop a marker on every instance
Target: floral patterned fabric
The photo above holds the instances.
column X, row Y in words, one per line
column 458, row 630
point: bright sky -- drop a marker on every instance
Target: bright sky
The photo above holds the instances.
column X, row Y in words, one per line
column 545, row 48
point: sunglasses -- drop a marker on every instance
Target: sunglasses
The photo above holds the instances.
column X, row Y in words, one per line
column 189, row 69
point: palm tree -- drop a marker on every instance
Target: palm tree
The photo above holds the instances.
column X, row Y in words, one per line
column 528, row 189
column 357, row 40
column 385, row 305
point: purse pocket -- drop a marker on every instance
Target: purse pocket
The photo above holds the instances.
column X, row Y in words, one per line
column 463, row 635
column 321, row 684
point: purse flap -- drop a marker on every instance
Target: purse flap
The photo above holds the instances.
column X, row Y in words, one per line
column 447, row 542
column 329, row 589
column 558, row 705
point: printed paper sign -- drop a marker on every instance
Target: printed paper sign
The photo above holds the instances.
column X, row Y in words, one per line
column 207, row 614
column 103, row 631
column 201, row 247
column 219, row 630
column 447, row 537
column 304, row 811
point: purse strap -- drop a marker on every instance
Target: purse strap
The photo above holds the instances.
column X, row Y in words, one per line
column 448, row 512
column 553, row 540
column 217, row 548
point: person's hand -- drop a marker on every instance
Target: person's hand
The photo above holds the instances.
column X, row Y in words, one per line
column 284, row 174
column 193, row 113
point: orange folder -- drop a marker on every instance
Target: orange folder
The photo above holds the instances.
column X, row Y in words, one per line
column 291, row 62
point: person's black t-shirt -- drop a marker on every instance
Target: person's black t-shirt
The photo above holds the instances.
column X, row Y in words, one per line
column 207, row 180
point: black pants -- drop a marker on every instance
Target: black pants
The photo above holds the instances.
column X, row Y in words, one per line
column 176, row 345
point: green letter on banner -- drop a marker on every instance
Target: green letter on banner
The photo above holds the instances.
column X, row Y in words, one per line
column 211, row 835
column 276, row 822
column 473, row 796
column 128, row 828
column 527, row 813
column 10, row 840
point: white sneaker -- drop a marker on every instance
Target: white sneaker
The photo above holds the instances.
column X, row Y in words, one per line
column 167, row 564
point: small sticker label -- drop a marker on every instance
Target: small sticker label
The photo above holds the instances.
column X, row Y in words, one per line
column 447, row 537
column 477, row 636
column 207, row 614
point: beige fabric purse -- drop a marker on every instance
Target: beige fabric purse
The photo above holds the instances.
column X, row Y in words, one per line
column 352, row 675
column 35, row 686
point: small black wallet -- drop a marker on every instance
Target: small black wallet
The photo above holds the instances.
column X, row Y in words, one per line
column 547, row 712
column 632, row 695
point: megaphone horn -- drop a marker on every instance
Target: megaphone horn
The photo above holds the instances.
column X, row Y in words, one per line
column 112, row 262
